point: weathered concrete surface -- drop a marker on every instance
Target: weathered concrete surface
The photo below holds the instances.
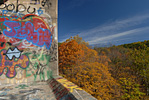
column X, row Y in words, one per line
column 30, row 28
column 29, row 53
column 66, row 90
column 32, row 91
column 53, row 89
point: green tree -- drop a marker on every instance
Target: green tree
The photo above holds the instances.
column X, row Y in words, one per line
column 141, row 66
column 130, row 90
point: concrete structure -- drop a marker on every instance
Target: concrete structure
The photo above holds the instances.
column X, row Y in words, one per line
column 29, row 53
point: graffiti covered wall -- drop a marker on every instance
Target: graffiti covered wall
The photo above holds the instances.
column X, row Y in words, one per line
column 28, row 40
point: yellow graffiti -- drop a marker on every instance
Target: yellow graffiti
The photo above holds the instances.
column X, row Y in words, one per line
column 17, row 80
column 68, row 84
column 14, row 81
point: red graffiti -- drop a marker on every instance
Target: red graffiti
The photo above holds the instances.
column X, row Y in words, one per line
column 31, row 28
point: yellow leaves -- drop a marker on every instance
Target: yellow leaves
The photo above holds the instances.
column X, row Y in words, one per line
column 90, row 76
column 130, row 89
column 69, row 52
column 84, row 67
column 72, row 53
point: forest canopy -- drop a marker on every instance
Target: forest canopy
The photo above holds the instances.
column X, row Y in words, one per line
column 109, row 73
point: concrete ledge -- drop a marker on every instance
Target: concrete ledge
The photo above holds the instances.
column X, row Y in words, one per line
column 66, row 90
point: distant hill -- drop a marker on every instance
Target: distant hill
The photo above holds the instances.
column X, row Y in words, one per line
column 136, row 45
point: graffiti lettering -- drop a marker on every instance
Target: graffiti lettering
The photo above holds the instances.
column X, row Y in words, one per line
column 19, row 8
column 27, row 52
column 22, row 86
column 35, row 2
column 32, row 11
column 38, row 37
column 58, row 89
column 68, row 84
column 9, row 7
column 2, row 1
column 53, row 52
column 10, row 66
column 43, row 2
column 39, row 63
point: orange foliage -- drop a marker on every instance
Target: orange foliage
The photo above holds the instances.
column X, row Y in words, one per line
column 84, row 67
column 94, row 78
column 69, row 53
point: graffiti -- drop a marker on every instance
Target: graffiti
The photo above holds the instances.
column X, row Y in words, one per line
column 28, row 34
column 22, row 8
column 38, row 91
column 47, row 3
column 2, row 1
column 39, row 63
column 27, row 51
column 17, row 80
column 22, row 86
column 28, row 10
column 20, row 44
column 40, row 11
column 31, row 91
column 10, row 66
column 60, row 92
column 68, row 97
column 19, row 7
column 19, row 16
column 4, row 91
column 68, row 84
column 43, row 2
column 10, row 14
column 58, row 89
column 53, row 52
column 2, row 42
column 11, row 8
column 13, row 53
column 21, row 95
column 38, row 35
column 35, row 2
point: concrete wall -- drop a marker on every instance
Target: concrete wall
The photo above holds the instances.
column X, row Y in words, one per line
column 29, row 53
column 28, row 40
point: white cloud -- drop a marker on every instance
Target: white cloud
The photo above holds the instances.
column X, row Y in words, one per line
column 112, row 37
column 115, row 29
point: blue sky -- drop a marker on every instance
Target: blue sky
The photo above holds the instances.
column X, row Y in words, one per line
column 104, row 21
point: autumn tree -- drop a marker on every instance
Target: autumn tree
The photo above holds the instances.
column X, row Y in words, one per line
column 83, row 66
column 69, row 54
column 130, row 89
column 141, row 66
column 95, row 78
column 73, row 51
column 123, row 65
